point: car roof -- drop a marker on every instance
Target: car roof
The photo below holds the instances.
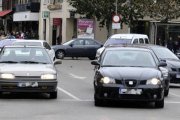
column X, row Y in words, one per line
column 128, row 35
column 22, row 46
column 29, row 40
column 130, row 47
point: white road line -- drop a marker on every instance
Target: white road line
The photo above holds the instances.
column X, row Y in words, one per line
column 76, row 76
column 174, row 94
column 68, row 93
column 172, row 102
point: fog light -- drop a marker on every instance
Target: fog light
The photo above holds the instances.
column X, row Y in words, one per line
column 155, row 96
column 105, row 94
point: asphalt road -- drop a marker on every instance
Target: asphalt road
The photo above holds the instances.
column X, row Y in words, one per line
column 75, row 100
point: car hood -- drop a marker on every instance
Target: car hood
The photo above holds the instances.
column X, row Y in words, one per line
column 24, row 69
column 173, row 63
column 138, row 73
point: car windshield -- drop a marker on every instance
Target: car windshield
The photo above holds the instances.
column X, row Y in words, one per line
column 164, row 53
column 28, row 43
column 24, row 55
column 114, row 41
column 128, row 58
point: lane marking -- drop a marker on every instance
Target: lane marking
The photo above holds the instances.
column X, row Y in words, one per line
column 172, row 102
column 174, row 94
column 69, row 94
column 76, row 76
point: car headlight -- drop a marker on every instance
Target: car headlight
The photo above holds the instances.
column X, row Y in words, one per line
column 153, row 81
column 7, row 76
column 48, row 76
column 107, row 80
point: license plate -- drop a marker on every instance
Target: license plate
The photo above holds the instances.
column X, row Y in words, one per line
column 28, row 84
column 178, row 76
column 130, row 91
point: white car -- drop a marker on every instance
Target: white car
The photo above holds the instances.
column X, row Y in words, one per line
column 42, row 43
column 117, row 39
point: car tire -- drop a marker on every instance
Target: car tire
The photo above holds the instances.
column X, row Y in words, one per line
column 166, row 92
column 60, row 54
column 53, row 95
column 92, row 57
column 159, row 104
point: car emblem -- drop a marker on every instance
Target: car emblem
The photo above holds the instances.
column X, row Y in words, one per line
column 130, row 82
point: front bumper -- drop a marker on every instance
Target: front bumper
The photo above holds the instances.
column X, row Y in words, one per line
column 28, row 86
column 174, row 77
column 149, row 94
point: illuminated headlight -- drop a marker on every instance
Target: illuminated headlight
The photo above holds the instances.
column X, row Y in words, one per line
column 153, row 81
column 107, row 80
column 48, row 76
column 7, row 76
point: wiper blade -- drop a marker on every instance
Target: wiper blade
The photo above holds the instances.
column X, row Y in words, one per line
column 8, row 62
column 29, row 62
column 33, row 62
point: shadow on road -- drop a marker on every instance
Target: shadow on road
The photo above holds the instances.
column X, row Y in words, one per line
column 139, row 105
column 174, row 85
column 24, row 96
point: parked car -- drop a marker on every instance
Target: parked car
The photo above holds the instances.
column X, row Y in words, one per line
column 129, row 73
column 124, row 39
column 27, row 69
column 173, row 62
column 79, row 47
column 42, row 43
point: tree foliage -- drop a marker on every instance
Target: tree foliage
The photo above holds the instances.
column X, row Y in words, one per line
column 103, row 10
column 162, row 10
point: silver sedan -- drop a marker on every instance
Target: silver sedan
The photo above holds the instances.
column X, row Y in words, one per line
column 27, row 69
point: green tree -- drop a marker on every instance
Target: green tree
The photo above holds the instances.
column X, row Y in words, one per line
column 162, row 10
column 103, row 10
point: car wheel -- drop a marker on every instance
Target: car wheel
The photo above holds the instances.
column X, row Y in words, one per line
column 166, row 92
column 159, row 104
column 60, row 54
column 53, row 95
column 92, row 57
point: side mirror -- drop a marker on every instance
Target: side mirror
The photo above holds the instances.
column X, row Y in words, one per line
column 71, row 45
column 95, row 62
column 57, row 62
column 162, row 64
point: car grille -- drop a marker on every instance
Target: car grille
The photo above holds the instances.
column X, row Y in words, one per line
column 28, row 78
column 130, row 82
column 135, row 82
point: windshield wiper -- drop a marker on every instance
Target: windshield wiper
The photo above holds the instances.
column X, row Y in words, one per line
column 8, row 62
column 33, row 62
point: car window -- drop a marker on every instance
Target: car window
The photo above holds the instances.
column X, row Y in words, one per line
column 90, row 42
column 164, row 53
column 128, row 58
column 115, row 41
column 20, row 54
column 78, row 42
column 46, row 45
column 141, row 40
column 135, row 41
column 146, row 40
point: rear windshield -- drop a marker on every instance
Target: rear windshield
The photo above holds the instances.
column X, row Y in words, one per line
column 116, row 41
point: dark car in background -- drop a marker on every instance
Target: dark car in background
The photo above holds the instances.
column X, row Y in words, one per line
column 173, row 62
column 129, row 73
column 79, row 47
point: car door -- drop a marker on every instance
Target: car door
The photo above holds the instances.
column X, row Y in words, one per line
column 91, row 47
column 76, row 48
